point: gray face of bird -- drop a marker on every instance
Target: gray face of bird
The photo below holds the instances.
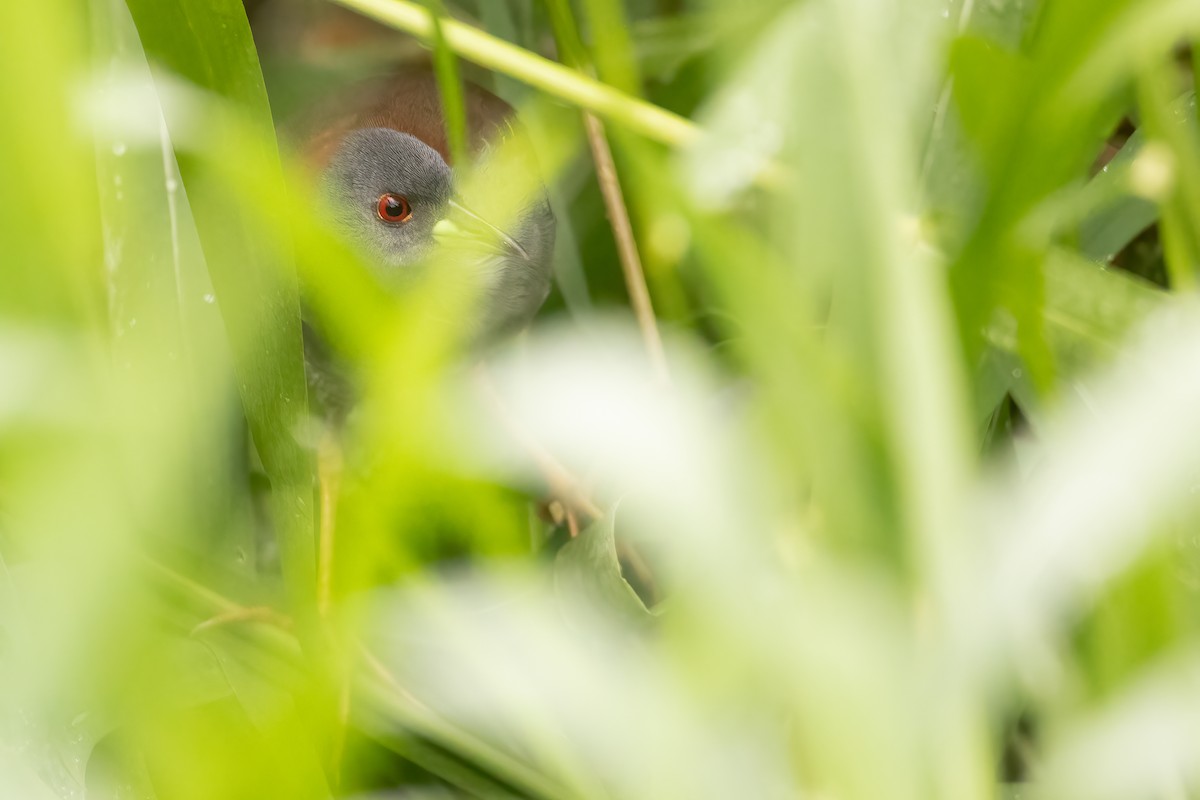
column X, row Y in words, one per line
column 395, row 198
column 387, row 191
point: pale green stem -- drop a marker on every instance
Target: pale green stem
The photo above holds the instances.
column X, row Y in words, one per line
column 552, row 78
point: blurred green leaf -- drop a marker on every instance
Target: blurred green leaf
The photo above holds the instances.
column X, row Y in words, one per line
column 163, row 315
column 1106, row 231
column 49, row 275
column 445, row 64
column 612, row 45
column 665, row 44
column 1089, row 312
column 494, row 53
column 863, row 572
column 17, row 779
column 1171, row 171
column 587, row 569
column 209, row 44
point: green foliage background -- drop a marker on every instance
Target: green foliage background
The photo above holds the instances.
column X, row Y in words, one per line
column 909, row 511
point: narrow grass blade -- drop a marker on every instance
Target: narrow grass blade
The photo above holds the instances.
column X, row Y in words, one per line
column 488, row 51
column 445, row 64
column 612, row 45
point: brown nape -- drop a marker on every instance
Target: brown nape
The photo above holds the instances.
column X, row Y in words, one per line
column 410, row 103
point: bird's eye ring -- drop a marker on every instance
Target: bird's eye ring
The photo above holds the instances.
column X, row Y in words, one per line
column 394, row 208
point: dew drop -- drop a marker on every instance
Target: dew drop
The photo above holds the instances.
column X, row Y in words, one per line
column 210, row 298
column 118, row 149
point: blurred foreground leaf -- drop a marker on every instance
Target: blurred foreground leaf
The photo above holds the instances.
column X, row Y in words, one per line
column 588, row 569
column 209, row 44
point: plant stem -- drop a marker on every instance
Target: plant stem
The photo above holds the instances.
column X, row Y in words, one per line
column 329, row 472
column 571, row 50
column 627, row 252
column 488, row 51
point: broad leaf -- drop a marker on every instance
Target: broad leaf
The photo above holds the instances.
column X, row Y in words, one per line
column 208, row 42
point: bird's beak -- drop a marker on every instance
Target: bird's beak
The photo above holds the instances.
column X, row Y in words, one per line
column 462, row 225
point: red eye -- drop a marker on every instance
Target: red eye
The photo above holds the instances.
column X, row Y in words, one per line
column 394, row 208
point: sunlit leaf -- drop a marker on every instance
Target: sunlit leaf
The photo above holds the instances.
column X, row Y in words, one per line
column 210, row 45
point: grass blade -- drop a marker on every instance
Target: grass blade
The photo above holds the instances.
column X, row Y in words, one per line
column 209, row 44
column 445, row 64
column 554, row 79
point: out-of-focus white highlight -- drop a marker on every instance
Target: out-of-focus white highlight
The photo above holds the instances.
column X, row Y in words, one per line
column 589, row 397
column 39, row 377
column 595, row 708
column 1111, row 469
column 1145, row 743
column 746, row 120
column 125, row 106
column 576, row 685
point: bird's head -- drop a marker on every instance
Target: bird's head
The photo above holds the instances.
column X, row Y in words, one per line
column 395, row 198
column 380, row 154
column 387, row 191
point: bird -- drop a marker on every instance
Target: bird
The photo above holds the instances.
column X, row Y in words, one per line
column 389, row 186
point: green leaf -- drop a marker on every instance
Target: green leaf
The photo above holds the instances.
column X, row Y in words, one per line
column 1105, row 232
column 1092, row 309
column 665, row 44
column 445, row 64
column 612, row 45
column 491, row 52
column 46, row 272
column 587, row 568
column 17, row 778
column 499, row 19
column 1172, row 125
column 264, row 689
column 165, row 325
column 208, row 43
column 1089, row 310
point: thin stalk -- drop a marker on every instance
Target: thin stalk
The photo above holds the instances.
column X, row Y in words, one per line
column 329, row 472
column 554, row 79
column 338, row 748
column 570, row 46
column 627, row 252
